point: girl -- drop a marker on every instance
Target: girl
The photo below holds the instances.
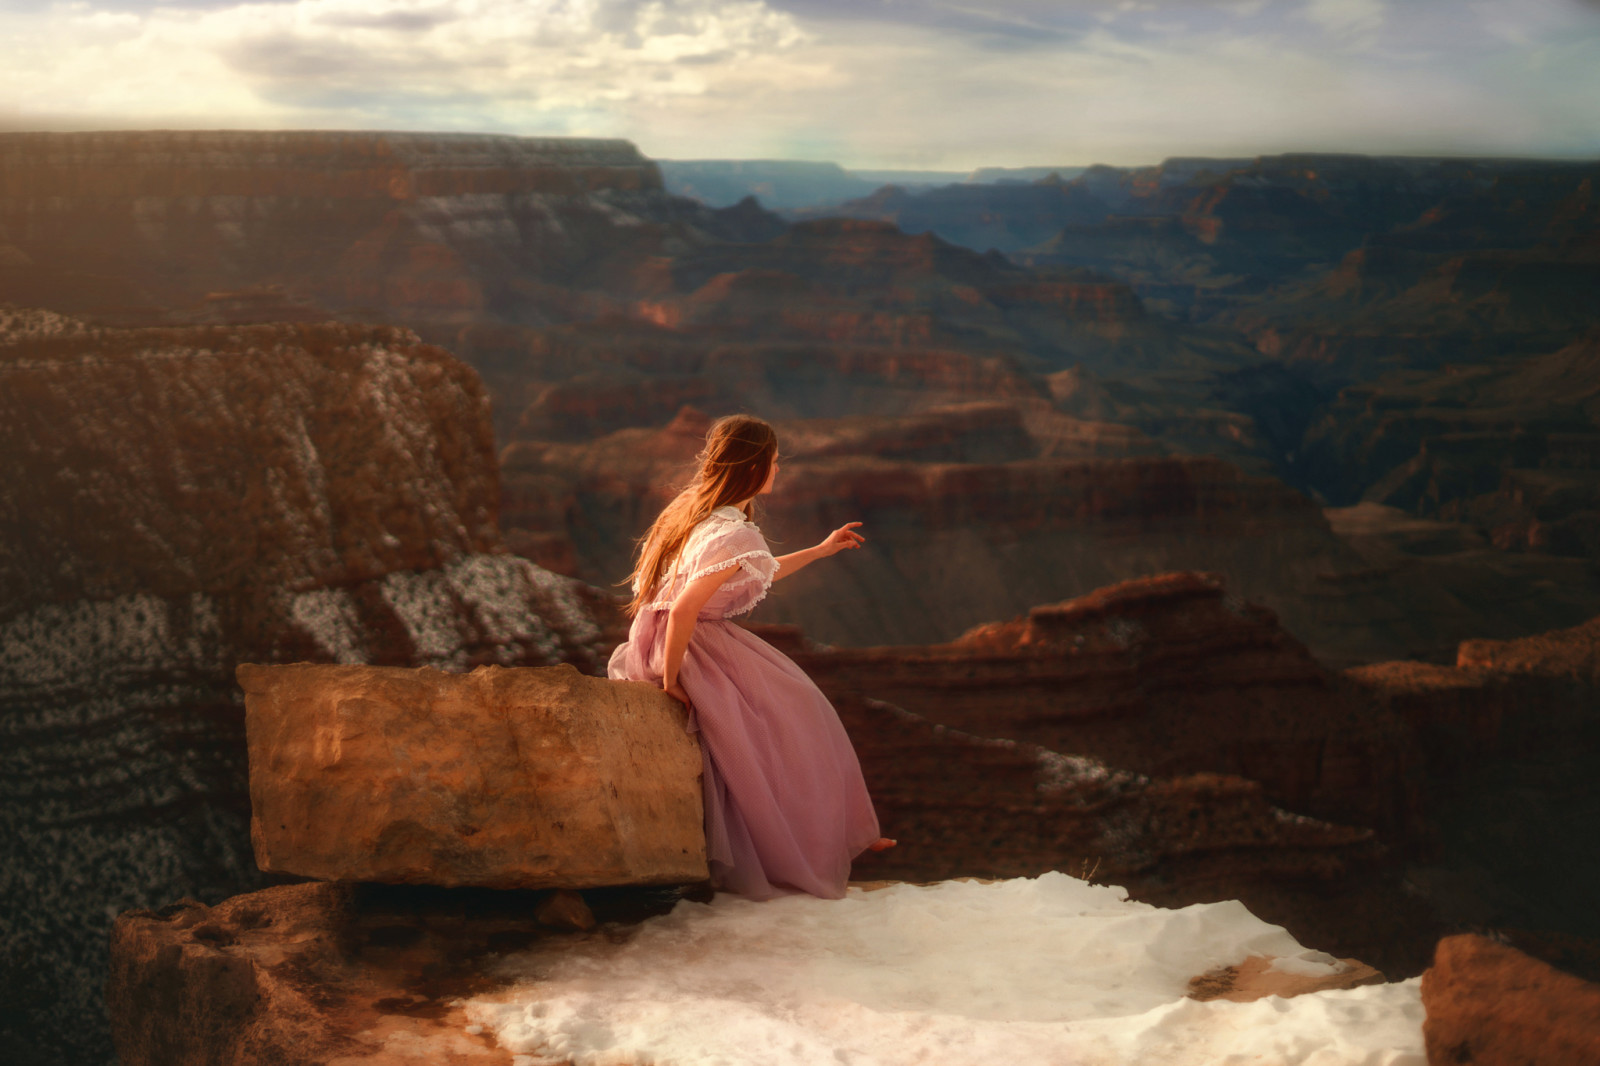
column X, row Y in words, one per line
column 786, row 808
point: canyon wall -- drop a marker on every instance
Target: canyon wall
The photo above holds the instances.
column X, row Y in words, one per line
column 393, row 226
column 1475, row 779
column 976, row 511
column 181, row 500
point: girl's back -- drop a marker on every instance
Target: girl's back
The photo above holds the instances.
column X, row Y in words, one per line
column 786, row 807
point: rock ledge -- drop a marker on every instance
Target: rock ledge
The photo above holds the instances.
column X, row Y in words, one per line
column 501, row 778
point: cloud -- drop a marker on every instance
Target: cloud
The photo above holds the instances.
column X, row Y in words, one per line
column 301, row 58
column 1346, row 17
column 400, row 21
column 938, row 83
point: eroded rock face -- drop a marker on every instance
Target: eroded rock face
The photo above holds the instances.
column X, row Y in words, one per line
column 972, row 512
column 966, row 805
column 1164, row 675
column 378, row 221
column 178, row 501
column 1478, row 777
column 1508, row 738
column 215, row 459
column 362, row 975
column 971, row 806
column 1491, row 1005
column 498, row 778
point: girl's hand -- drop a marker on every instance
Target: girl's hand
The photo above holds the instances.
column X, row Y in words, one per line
column 843, row 537
column 675, row 690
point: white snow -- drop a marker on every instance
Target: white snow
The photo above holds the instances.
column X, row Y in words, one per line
column 1046, row 970
column 330, row 616
column 57, row 644
column 493, row 598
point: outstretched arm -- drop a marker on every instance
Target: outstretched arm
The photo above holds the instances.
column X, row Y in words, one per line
column 845, row 537
column 680, row 626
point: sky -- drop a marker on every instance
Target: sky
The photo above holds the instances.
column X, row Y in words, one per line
column 933, row 84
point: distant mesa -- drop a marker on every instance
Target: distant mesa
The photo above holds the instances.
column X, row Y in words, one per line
column 796, row 185
column 997, row 175
column 785, row 184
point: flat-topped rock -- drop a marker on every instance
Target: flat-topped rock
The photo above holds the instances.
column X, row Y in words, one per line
column 501, row 778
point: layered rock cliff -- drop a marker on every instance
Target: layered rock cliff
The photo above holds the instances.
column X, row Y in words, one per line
column 1161, row 675
column 399, row 226
column 974, row 511
column 1475, row 777
column 1508, row 265
column 1509, row 445
column 1007, row 216
column 179, row 500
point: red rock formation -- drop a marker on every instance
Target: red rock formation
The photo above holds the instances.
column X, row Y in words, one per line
column 963, row 806
column 343, row 453
column 179, row 500
column 358, row 974
column 1163, row 676
column 972, row 512
column 1479, row 777
column 409, row 227
column 966, row 805
column 866, row 283
column 1501, row 697
column 534, row 778
column 1490, row 1005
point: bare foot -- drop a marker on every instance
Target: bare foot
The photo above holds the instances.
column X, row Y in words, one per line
column 882, row 844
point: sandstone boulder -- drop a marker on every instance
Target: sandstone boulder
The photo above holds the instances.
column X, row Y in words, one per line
column 1491, row 1005
column 501, row 778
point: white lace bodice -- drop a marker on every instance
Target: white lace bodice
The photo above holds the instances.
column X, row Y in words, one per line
column 721, row 541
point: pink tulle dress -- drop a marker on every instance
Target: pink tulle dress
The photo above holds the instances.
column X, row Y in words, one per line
column 786, row 807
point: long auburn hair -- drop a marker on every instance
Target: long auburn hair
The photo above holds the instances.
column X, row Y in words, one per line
column 733, row 465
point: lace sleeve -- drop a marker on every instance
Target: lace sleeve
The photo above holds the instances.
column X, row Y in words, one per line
column 735, row 544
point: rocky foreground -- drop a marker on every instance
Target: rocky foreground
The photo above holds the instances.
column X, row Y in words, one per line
column 369, row 974
column 356, row 972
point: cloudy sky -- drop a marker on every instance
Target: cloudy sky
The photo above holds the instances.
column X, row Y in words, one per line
column 868, row 83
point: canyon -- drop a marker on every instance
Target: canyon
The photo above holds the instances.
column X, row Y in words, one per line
column 1235, row 439
column 591, row 301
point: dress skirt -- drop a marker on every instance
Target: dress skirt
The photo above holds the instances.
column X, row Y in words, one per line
column 786, row 806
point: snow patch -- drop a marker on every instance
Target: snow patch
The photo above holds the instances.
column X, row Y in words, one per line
column 503, row 604
column 1066, row 773
column 19, row 324
column 329, row 615
column 60, row 644
column 1046, row 970
column 421, row 600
